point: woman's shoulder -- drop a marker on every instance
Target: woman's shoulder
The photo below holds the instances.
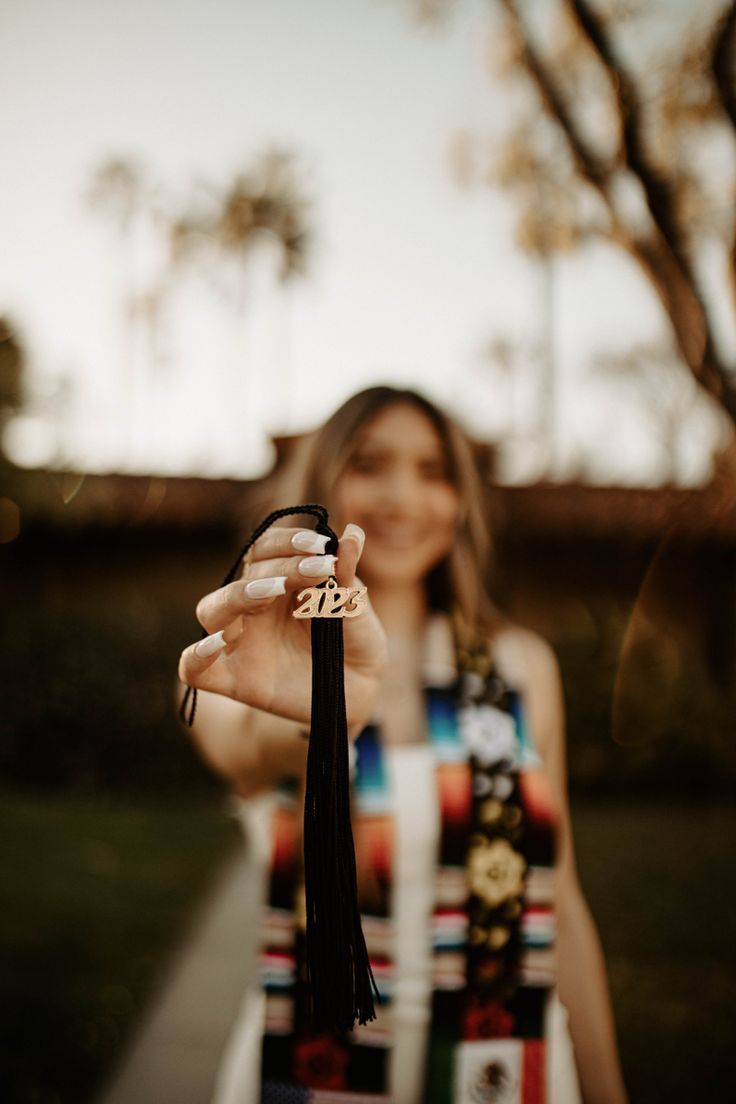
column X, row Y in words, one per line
column 527, row 661
column 523, row 657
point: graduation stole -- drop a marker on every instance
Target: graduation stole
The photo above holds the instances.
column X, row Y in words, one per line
column 492, row 924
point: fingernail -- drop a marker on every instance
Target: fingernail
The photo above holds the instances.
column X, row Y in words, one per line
column 210, row 645
column 309, row 541
column 266, row 588
column 355, row 531
column 316, row 566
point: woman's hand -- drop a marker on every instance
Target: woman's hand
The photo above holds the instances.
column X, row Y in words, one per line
column 257, row 653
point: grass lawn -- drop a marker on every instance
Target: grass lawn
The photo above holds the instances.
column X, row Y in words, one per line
column 661, row 881
column 94, row 898
column 93, row 901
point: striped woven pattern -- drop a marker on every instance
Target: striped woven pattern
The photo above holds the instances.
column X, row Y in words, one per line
column 492, row 926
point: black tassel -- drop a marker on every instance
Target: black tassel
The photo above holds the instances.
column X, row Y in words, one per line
column 340, row 982
column 339, row 975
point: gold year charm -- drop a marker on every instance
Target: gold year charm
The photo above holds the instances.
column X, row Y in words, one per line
column 330, row 601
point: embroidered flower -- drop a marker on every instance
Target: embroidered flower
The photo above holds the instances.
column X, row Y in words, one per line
column 489, row 734
column 502, row 786
column 495, row 870
column 320, row 1062
column 490, row 812
column 486, row 1020
column 498, row 937
column 482, row 785
column 488, row 973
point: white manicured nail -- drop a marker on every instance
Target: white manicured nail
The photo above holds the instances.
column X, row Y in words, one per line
column 210, row 645
column 266, row 588
column 355, row 531
column 309, row 541
column 314, row 567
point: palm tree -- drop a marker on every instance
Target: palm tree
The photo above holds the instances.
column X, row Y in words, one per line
column 218, row 231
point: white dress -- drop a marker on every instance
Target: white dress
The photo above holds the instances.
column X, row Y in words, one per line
column 416, row 820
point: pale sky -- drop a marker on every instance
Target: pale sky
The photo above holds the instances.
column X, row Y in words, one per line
column 409, row 279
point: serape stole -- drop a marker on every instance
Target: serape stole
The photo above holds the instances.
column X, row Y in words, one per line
column 492, row 924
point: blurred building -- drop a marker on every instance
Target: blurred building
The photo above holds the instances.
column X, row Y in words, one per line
column 559, row 548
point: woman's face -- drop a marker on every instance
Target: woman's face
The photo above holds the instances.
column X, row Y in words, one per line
column 396, row 487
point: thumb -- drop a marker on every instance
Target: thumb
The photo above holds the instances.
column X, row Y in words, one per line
column 349, row 551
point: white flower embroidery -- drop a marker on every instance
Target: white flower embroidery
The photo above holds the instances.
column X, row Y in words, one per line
column 489, row 734
column 502, row 786
column 482, row 785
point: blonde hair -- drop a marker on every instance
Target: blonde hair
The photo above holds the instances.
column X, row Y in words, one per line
column 459, row 583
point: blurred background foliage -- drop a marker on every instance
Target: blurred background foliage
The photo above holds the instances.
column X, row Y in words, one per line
column 93, row 624
column 114, row 829
column 623, row 132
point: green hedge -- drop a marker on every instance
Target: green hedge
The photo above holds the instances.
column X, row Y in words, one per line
column 90, row 642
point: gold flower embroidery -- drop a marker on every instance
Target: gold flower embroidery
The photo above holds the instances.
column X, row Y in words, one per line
column 512, row 910
column 498, row 937
column 491, row 811
column 495, row 871
column 512, row 816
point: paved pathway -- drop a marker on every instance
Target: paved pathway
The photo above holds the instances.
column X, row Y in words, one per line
column 174, row 1058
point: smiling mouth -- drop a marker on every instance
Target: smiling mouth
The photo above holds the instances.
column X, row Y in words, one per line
column 395, row 536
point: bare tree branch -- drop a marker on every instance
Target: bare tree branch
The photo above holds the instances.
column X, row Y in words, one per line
column 657, row 188
column 723, row 68
column 662, row 254
column 585, row 162
column 694, row 338
column 723, row 62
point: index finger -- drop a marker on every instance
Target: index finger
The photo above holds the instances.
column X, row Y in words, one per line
column 227, row 604
column 282, row 541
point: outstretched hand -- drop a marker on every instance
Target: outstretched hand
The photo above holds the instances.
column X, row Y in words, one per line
column 257, row 653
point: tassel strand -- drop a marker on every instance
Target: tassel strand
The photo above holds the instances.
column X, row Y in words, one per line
column 340, row 982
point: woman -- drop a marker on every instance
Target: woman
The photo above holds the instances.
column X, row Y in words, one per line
column 460, row 812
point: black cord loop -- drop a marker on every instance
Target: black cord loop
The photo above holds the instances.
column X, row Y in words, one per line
column 313, row 508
